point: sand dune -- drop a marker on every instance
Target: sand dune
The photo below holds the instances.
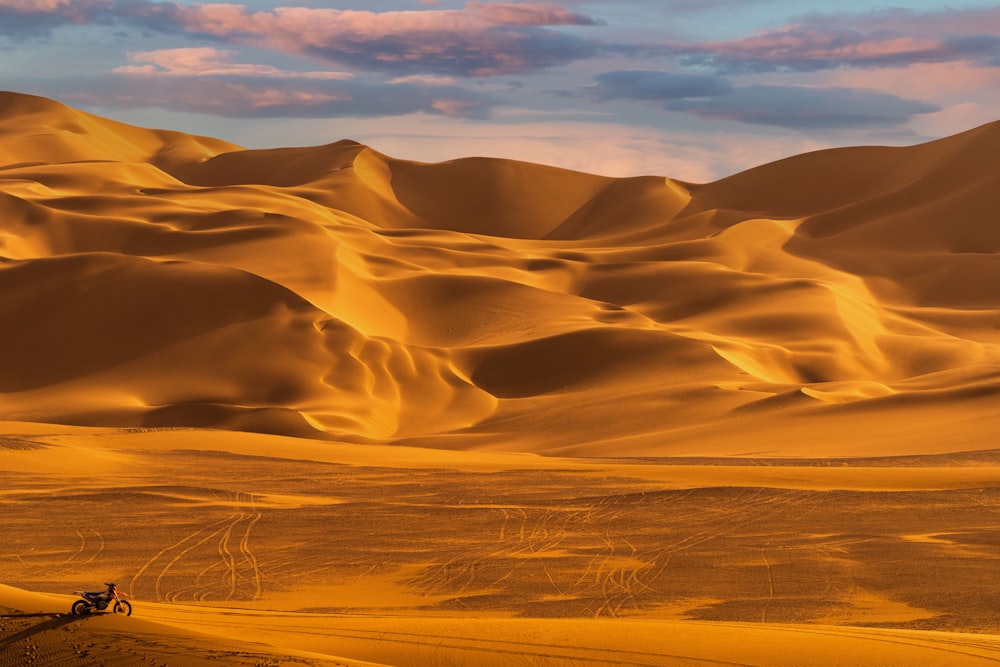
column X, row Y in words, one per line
column 319, row 406
column 157, row 279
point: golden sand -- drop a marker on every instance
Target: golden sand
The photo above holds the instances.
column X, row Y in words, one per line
column 318, row 406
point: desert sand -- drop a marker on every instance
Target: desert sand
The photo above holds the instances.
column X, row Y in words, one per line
column 319, row 406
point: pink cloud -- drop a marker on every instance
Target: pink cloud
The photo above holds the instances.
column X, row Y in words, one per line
column 50, row 13
column 454, row 108
column 527, row 13
column 810, row 44
column 888, row 47
column 425, row 80
column 255, row 96
column 208, row 61
column 320, row 27
column 273, row 97
column 889, row 38
column 480, row 39
column 34, row 6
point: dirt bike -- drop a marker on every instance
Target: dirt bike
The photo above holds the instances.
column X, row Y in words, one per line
column 100, row 601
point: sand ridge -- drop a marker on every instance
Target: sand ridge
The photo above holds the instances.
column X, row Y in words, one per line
column 160, row 279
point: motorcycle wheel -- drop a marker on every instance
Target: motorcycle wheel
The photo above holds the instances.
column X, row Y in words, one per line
column 123, row 607
column 80, row 607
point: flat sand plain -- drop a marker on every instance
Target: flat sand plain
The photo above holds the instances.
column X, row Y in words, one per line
column 259, row 549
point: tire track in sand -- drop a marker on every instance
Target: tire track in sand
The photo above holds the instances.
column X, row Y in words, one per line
column 228, row 560
column 176, row 545
column 100, row 549
column 171, row 596
column 770, row 583
column 251, row 559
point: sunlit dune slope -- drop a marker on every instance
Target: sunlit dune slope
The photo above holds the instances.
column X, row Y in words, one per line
column 829, row 303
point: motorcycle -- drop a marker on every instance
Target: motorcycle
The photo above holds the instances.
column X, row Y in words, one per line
column 100, row 600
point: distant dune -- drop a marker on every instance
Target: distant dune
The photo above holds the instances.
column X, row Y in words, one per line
column 842, row 302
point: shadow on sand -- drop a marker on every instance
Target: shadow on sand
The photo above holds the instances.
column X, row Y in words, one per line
column 54, row 622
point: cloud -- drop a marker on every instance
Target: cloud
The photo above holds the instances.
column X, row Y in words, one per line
column 483, row 39
column 208, row 61
column 34, row 6
column 259, row 96
column 886, row 38
column 969, row 95
column 806, row 108
column 528, row 13
column 656, row 86
column 793, row 107
column 480, row 39
column 425, row 79
column 35, row 18
column 69, row 10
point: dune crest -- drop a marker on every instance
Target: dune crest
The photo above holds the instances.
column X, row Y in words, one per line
column 151, row 278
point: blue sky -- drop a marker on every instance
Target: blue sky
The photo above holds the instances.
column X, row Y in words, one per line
column 692, row 89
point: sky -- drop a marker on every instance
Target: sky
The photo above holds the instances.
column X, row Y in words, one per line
column 691, row 89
